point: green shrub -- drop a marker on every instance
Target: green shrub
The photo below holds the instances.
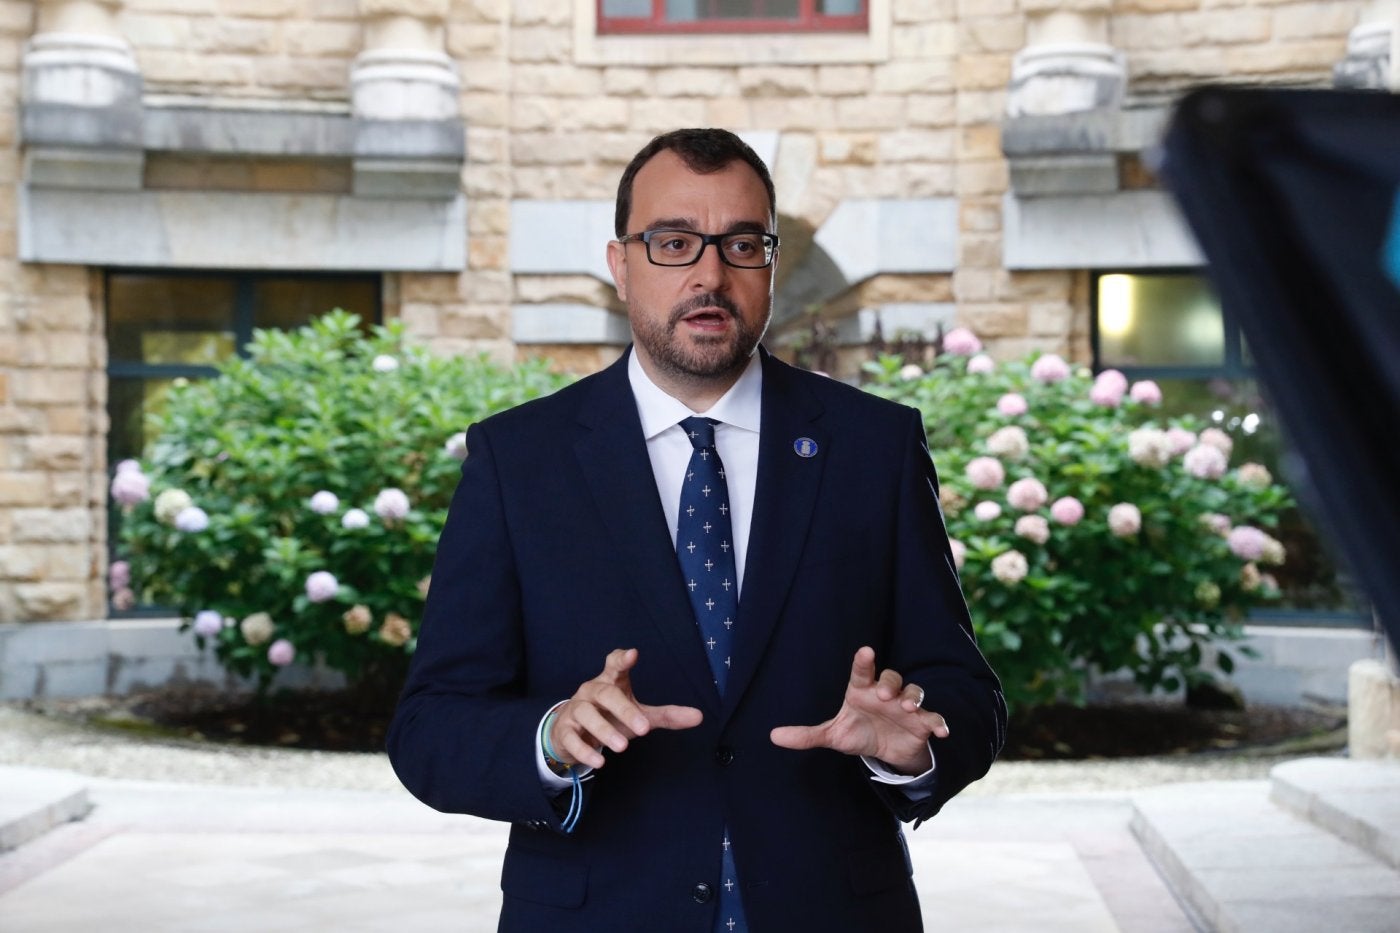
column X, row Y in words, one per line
column 1091, row 535
column 292, row 504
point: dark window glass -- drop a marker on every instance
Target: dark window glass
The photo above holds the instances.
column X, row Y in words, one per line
column 679, row 16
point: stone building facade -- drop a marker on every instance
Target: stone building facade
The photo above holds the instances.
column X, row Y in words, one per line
column 962, row 162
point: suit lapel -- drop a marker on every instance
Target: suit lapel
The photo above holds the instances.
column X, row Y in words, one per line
column 613, row 456
column 784, row 499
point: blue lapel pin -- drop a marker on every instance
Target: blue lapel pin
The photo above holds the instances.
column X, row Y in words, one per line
column 805, row 447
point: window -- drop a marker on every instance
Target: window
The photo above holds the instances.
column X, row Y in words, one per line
column 164, row 327
column 1171, row 328
column 698, row 16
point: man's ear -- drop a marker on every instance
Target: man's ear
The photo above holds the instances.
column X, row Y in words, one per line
column 617, row 265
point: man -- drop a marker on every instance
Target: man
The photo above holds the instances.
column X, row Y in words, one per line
column 652, row 637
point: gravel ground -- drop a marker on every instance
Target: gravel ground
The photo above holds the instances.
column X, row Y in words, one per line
column 29, row 738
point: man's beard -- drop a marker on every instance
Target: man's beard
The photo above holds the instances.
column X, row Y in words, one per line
column 704, row 357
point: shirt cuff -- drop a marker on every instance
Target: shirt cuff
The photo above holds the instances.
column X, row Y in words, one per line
column 913, row 786
column 551, row 781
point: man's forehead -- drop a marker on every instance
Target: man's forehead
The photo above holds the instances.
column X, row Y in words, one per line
column 666, row 176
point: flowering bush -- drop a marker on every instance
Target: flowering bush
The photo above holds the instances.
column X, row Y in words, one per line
column 1090, row 534
column 290, row 507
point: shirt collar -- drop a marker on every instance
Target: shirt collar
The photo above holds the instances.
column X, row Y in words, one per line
column 740, row 407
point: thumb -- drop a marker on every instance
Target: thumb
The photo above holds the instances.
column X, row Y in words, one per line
column 799, row 737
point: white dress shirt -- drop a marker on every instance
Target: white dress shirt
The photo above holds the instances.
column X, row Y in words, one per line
column 738, row 413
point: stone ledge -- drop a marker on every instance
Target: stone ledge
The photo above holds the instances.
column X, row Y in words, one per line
column 1358, row 801
column 35, row 800
column 568, row 324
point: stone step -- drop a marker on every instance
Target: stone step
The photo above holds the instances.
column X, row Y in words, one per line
column 35, row 800
column 1356, row 800
column 1242, row 864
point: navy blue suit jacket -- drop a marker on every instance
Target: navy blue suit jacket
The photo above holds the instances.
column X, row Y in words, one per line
column 556, row 551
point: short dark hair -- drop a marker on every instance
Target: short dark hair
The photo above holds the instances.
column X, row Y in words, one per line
column 703, row 151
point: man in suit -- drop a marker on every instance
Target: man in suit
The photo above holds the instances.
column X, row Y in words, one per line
column 682, row 713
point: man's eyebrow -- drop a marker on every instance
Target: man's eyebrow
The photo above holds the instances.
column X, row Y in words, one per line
column 688, row 224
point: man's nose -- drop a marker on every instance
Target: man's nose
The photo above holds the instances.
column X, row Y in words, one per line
column 709, row 273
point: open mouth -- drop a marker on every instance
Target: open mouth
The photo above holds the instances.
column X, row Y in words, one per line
column 708, row 318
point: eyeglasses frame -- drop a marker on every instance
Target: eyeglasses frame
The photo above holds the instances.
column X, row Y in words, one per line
column 770, row 241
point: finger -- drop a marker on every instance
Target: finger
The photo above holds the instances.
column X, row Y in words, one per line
column 621, row 711
column 672, row 717
column 616, row 665
column 889, row 685
column 912, row 697
column 578, row 747
column 863, row 668
column 800, row 737
column 937, row 725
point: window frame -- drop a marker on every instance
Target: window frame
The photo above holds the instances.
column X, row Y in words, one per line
column 1234, row 367
column 807, row 21
column 244, row 315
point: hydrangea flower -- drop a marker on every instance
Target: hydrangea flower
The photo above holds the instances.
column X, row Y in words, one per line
column 1217, row 438
column 987, row 511
column 384, row 363
column 1181, row 440
column 208, row 623
column 123, row 599
column 1124, row 520
column 1220, row 524
column 257, row 629
column 1027, row 494
column 1254, row 475
column 961, row 342
column 355, row 519
column 1009, row 442
column 1050, row 368
column 986, row 472
column 131, row 486
column 1012, row 404
column 1149, row 447
column 456, row 445
column 1067, row 510
column 324, row 502
column 980, row 364
column 191, row 520
column 321, row 586
column 1010, row 567
column 281, row 653
column 171, row 503
column 910, row 371
column 395, row 631
column 1250, row 577
column 1033, row 528
column 959, row 551
column 1146, row 392
column 1205, row 461
column 118, row 575
column 357, row 619
column 391, row 504
column 1208, row 594
column 1109, row 388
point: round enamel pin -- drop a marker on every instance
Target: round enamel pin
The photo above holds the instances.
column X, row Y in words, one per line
column 805, row 447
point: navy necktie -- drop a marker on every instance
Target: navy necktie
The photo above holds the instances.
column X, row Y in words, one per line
column 705, row 548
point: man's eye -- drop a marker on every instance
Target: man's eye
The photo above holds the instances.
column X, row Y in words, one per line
column 674, row 244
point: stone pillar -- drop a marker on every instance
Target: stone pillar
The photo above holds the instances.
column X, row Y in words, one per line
column 81, row 98
column 1373, row 710
column 1067, row 65
column 404, row 95
column 1371, row 49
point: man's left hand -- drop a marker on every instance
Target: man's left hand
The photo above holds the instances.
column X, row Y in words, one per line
column 879, row 718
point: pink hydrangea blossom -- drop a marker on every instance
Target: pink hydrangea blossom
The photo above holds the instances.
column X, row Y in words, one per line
column 1205, row 461
column 456, row 445
column 129, row 466
column 1254, row 476
column 1250, row 578
column 130, row 487
column 1124, row 520
column 192, row 520
column 1146, row 392
column 281, row 653
column 1114, row 379
column 1033, row 528
column 1027, row 494
column 118, row 575
column 961, row 342
column 391, row 505
column 354, row 519
column 1108, row 389
column 986, row 472
column 1218, row 439
column 123, row 599
column 1217, row 523
column 1067, row 510
column 321, row 586
column 324, row 502
column 1149, row 447
column 208, row 623
column 1012, row 404
column 1010, row 568
column 1009, row 442
column 980, row 364
column 1050, row 368
column 959, row 551
column 1181, row 440
column 987, row 511
column 357, row 619
column 1247, row 542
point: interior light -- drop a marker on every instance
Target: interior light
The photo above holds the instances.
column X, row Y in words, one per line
column 1115, row 305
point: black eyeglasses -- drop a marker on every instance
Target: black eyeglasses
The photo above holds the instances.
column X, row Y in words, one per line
column 685, row 247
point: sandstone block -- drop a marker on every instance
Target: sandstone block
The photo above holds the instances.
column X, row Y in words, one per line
column 556, row 80
column 1061, row 6
column 429, row 10
column 987, row 177
column 45, row 601
column 489, row 217
column 315, row 39
column 787, row 113
column 731, row 112
column 1155, row 6
column 976, row 106
column 979, row 251
column 52, row 525
column 4, row 388
column 996, row 34
column 534, row 113
column 918, row 11
column 1314, row 20
column 265, row 9
column 482, row 75
column 983, row 72
column 427, row 286
column 695, row 82
column 916, row 146
column 931, row 109
column 928, row 180
column 487, row 252
column 540, row 44
column 420, row 319
column 968, row 9
column 23, row 488
column 477, row 322
column 21, row 563
column 540, row 11
column 627, row 82
column 16, row 420
column 929, row 40
column 840, row 80
column 1227, row 27
column 1050, row 285
column 1052, row 319
column 548, row 148
column 877, row 112
column 69, row 561
column 74, row 420
column 767, row 81
column 603, row 113
column 72, row 487
column 657, row 115
column 56, row 453
column 151, row 30
column 975, row 285
column 45, row 387
column 921, row 76
column 227, row 34
column 982, row 141
column 996, row 320
column 848, row 148
column 1373, row 709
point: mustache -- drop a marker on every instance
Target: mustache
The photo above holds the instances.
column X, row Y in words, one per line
column 706, row 300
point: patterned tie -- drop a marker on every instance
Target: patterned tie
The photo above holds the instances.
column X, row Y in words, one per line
column 705, row 548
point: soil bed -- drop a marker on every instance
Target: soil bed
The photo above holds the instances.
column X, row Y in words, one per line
column 339, row 722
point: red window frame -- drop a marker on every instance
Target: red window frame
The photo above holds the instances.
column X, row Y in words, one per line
column 807, row 20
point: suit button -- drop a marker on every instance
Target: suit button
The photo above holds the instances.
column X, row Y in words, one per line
column 702, row 893
column 724, row 755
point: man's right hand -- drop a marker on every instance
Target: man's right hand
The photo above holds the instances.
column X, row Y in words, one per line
column 604, row 713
